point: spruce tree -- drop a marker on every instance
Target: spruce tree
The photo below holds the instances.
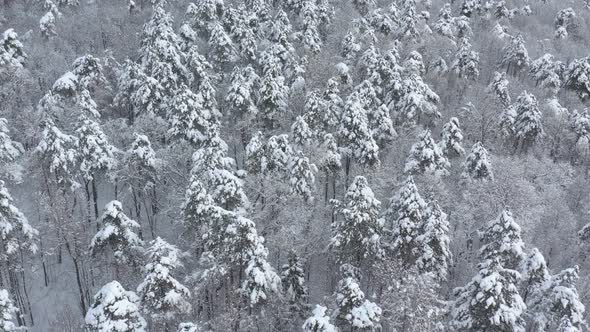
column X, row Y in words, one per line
column 528, row 126
column 355, row 134
column 115, row 310
column 58, row 153
column 502, row 241
column 516, row 56
column 319, row 322
column 577, row 77
column 293, row 280
column 466, row 63
column 452, row 138
column 426, row 157
column 95, row 152
column 357, row 235
column 189, row 119
column 162, row 296
column 302, row 176
column 435, row 253
column 477, row 165
column 353, row 310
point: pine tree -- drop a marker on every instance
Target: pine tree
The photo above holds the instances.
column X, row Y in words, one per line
column 506, row 123
column 162, row 296
column 116, row 233
column 357, row 139
column 363, row 6
column 409, row 20
column 246, row 248
column 477, row 165
column 490, row 301
column 577, row 77
column 499, row 88
column 11, row 50
column 7, row 312
column 353, row 310
column 417, row 103
column 452, row 137
column 516, row 56
column 466, row 63
column 528, row 124
column 381, row 125
column 534, row 276
column 444, row 25
column 319, row 322
column 242, row 94
column 331, row 162
column 95, row 152
column 190, row 327
column 302, row 176
column 406, row 215
column 357, row 236
column 58, row 152
column 47, row 21
column 349, row 46
column 221, row 48
column 469, row 7
column 548, row 72
column 435, row 254
column 137, row 92
column 16, row 234
column 301, row 133
column 502, row 241
column 189, row 118
column 564, row 20
column 426, row 157
column 277, row 154
column 115, row 310
column 293, row 280
column 9, row 150
column 141, row 162
column 273, row 97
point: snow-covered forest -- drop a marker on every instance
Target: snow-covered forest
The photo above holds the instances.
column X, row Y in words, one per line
column 294, row 165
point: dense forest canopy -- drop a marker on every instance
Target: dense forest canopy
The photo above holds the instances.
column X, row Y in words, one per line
column 294, row 165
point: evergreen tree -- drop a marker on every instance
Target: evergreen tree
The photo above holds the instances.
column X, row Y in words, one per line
column 528, row 124
column 117, row 233
column 406, row 215
column 548, row 72
column 302, row 176
column 9, row 150
column 357, row 139
column 16, row 234
column 353, row 310
column 242, row 94
column 221, row 48
column 349, row 46
column 302, row 134
column 331, row 162
column 564, row 20
column 469, row 7
column 95, row 152
column 435, row 254
column 490, row 301
column 535, row 275
column 499, row 88
column 162, row 296
column 273, row 97
column 577, row 77
column 11, row 50
column 516, row 56
column 363, row 6
column 381, row 125
column 452, row 137
column 319, row 322
column 466, row 63
column 426, row 157
column 477, row 165
column 293, row 280
column 115, row 310
column 189, row 118
column 58, row 152
column 357, row 236
column 138, row 92
column 7, row 312
column 444, row 26
column 277, row 154
column 502, row 241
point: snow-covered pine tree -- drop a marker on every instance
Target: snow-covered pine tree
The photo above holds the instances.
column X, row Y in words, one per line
column 499, row 88
column 353, row 310
column 189, row 118
column 141, row 162
column 9, row 150
column 47, row 21
column 95, row 152
column 477, row 165
column 115, row 310
column 272, row 103
column 548, row 72
column 534, row 276
column 409, row 18
column 406, row 216
column 58, row 153
column 319, row 322
column 444, row 26
column 116, row 233
column 243, row 246
column 490, row 301
column 564, row 20
column 300, row 131
column 435, row 253
column 355, row 134
column 242, row 94
column 502, row 241
column 138, row 92
column 7, row 312
column 506, row 122
column 293, row 280
column 356, row 237
column 528, row 126
column 452, row 138
column 426, row 157
column 160, row 53
column 381, row 125
column 11, row 50
column 466, row 63
column 277, row 154
column 516, row 56
column 331, row 162
column 302, row 176
column 221, row 48
column 577, row 77
column 212, row 162
column 190, row 327
column 349, row 46
column 16, row 234
column 162, row 296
